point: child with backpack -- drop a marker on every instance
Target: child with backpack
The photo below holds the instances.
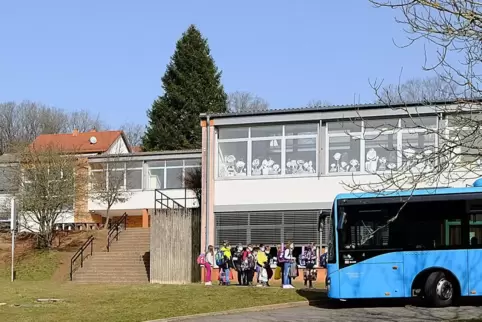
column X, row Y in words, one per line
column 289, row 265
column 249, row 264
column 237, row 261
column 309, row 259
column 207, row 260
column 262, row 262
column 223, row 260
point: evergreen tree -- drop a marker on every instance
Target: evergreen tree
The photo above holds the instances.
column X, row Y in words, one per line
column 192, row 85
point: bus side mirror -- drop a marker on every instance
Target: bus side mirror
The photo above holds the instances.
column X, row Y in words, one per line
column 341, row 221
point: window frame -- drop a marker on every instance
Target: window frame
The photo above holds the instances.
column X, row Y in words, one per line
column 398, row 133
column 165, row 168
column 127, row 168
column 282, row 138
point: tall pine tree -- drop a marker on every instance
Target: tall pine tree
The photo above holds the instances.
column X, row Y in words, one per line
column 192, row 85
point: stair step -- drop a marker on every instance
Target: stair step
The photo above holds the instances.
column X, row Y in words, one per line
column 115, row 279
column 121, row 266
column 126, row 262
column 111, row 281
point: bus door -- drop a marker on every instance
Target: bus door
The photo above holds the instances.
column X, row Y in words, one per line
column 369, row 267
column 475, row 253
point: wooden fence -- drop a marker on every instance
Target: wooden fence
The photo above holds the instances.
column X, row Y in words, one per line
column 175, row 246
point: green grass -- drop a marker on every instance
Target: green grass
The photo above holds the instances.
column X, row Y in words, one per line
column 117, row 302
column 129, row 303
column 36, row 266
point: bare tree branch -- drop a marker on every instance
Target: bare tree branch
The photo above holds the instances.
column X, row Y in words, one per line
column 84, row 121
column 193, row 181
column 109, row 183
column 133, row 132
column 239, row 102
column 318, row 103
column 418, row 90
column 48, row 184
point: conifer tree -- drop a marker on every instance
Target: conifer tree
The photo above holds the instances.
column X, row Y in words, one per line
column 192, row 85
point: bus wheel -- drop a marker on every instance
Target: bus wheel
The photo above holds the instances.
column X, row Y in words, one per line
column 439, row 289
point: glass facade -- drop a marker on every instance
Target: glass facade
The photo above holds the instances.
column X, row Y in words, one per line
column 144, row 175
column 351, row 146
column 267, row 151
column 379, row 145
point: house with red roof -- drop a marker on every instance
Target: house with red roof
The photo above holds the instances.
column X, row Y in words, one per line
column 85, row 143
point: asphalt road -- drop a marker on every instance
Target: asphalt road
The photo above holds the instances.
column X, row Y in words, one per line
column 372, row 311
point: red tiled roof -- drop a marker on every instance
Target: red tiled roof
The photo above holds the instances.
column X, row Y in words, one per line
column 78, row 142
column 136, row 149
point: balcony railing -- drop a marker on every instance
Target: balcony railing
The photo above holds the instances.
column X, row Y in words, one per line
column 163, row 201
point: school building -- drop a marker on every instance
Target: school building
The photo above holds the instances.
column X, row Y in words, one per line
column 268, row 175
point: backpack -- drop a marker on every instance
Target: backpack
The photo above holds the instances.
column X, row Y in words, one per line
column 201, row 259
column 251, row 261
column 219, row 258
column 323, row 260
column 281, row 257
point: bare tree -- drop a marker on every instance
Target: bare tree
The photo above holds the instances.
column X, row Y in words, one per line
column 23, row 122
column 240, row 102
column 84, row 121
column 454, row 29
column 46, row 179
column 318, row 103
column 445, row 148
column 193, row 181
column 418, row 90
column 107, row 184
column 133, row 132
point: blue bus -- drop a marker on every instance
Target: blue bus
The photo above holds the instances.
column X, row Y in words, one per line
column 419, row 243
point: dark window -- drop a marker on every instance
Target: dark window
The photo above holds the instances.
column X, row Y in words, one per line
column 417, row 225
column 332, row 241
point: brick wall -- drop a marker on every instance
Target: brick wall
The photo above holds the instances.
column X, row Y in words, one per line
column 132, row 221
column 81, row 206
column 215, row 276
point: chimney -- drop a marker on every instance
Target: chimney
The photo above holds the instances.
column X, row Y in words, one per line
column 93, row 130
column 75, row 132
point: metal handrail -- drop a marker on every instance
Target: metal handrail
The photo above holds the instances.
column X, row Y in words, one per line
column 114, row 230
column 80, row 253
column 163, row 201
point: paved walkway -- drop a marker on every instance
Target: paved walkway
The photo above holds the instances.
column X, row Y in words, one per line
column 374, row 313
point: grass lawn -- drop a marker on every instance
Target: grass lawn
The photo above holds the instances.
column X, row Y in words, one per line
column 36, row 266
column 44, row 275
column 128, row 303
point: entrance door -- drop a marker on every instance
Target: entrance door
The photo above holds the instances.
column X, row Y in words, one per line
column 475, row 260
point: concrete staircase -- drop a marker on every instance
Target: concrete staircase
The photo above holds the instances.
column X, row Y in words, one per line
column 127, row 261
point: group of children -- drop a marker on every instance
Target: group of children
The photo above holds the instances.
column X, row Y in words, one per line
column 258, row 263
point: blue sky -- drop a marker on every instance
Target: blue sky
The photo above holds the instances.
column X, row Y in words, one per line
column 108, row 56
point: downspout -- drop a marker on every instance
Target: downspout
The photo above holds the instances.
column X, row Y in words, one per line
column 208, row 153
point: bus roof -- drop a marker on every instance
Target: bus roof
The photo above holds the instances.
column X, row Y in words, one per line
column 408, row 193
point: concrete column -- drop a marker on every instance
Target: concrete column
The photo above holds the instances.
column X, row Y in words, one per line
column 145, row 218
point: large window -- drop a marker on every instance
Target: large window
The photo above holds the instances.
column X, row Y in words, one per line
column 419, row 225
column 375, row 145
column 344, row 146
column 170, row 174
column 464, row 140
column 134, row 175
column 380, row 228
column 129, row 175
column 265, row 151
